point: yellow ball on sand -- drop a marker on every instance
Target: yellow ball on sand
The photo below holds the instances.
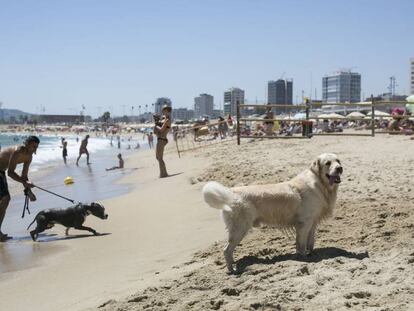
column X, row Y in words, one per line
column 68, row 180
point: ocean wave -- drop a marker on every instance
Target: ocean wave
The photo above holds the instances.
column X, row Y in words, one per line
column 50, row 148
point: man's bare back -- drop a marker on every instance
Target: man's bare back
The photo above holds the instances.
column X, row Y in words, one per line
column 84, row 144
column 83, row 149
column 10, row 157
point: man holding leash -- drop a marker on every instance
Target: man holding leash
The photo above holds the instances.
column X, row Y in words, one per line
column 9, row 158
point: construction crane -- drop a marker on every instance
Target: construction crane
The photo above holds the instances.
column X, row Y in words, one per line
column 392, row 86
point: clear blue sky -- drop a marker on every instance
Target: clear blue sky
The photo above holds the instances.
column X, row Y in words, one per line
column 61, row 55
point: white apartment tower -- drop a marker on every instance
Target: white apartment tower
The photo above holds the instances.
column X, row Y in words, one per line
column 341, row 87
column 231, row 97
column 203, row 105
column 412, row 76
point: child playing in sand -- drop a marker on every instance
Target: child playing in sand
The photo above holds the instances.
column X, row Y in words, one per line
column 121, row 163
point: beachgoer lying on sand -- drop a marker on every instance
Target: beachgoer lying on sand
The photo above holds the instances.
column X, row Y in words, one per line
column 120, row 165
column 394, row 125
column 9, row 159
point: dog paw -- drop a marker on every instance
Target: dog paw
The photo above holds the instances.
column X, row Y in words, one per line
column 33, row 236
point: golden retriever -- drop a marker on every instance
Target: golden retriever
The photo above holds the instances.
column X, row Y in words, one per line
column 298, row 204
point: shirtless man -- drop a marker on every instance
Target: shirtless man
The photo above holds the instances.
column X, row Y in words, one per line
column 83, row 149
column 9, row 158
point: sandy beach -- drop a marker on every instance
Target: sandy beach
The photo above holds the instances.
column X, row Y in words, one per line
column 162, row 245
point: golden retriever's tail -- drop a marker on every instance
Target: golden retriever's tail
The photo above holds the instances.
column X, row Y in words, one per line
column 218, row 196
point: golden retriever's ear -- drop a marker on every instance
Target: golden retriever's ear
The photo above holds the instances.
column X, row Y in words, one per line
column 315, row 166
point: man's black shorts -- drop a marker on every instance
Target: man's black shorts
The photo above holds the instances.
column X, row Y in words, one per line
column 4, row 188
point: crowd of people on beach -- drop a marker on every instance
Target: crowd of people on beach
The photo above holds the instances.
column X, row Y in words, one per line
column 396, row 122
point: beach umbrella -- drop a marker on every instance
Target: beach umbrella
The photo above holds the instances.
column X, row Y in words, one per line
column 410, row 106
column 323, row 116
column 379, row 113
column 355, row 114
column 336, row 116
column 299, row 116
column 330, row 116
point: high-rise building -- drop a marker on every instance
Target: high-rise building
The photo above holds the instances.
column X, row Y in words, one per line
column 161, row 102
column 341, row 87
column 280, row 92
column 203, row 105
column 412, row 76
column 231, row 97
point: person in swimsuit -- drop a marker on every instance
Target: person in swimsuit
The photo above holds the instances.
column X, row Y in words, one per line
column 83, row 149
column 161, row 129
column 150, row 140
column 9, row 158
column 121, row 163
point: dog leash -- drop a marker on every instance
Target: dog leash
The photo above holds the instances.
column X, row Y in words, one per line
column 27, row 199
column 26, row 203
column 58, row 195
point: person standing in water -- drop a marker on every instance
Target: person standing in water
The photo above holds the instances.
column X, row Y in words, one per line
column 161, row 129
column 83, row 149
column 64, row 150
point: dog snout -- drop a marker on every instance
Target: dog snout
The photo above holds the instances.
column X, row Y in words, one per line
column 106, row 216
column 339, row 169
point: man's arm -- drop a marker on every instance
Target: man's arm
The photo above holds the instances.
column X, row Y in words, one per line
column 11, row 172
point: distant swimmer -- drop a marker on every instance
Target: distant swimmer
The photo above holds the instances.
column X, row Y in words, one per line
column 9, row 159
column 120, row 165
column 83, row 149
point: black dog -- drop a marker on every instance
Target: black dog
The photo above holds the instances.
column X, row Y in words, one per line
column 71, row 217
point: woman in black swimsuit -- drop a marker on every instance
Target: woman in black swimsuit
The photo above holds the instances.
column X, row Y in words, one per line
column 161, row 131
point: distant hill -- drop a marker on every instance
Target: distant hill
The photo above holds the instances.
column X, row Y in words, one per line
column 7, row 114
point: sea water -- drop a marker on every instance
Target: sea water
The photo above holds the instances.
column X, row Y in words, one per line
column 49, row 151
